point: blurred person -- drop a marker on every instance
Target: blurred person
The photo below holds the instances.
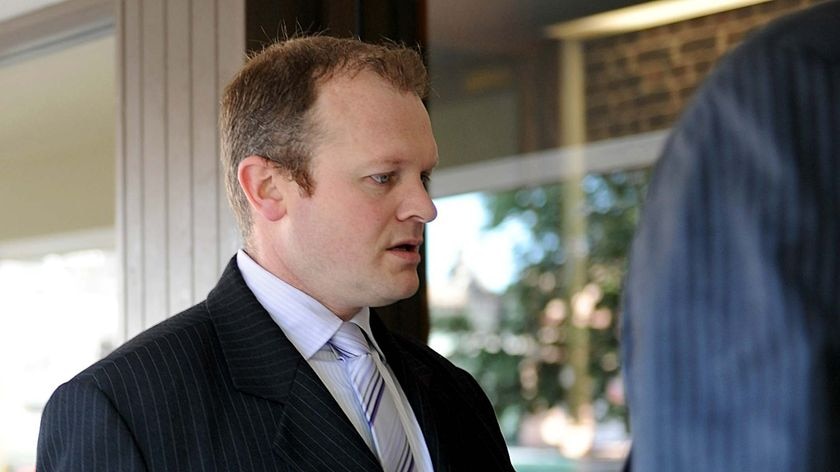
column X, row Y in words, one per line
column 327, row 150
column 731, row 331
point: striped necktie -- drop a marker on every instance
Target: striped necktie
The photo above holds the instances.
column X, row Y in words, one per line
column 377, row 402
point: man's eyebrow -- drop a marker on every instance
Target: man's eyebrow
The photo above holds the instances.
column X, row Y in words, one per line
column 398, row 161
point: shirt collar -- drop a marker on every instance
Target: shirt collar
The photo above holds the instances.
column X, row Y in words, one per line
column 305, row 321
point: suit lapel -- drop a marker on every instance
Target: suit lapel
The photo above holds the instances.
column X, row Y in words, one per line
column 313, row 432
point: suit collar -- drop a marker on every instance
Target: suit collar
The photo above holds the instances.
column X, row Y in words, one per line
column 306, row 322
column 260, row 358
column 263, row 363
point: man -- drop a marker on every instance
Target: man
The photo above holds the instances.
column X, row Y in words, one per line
column 731, row 331
column 327, row 150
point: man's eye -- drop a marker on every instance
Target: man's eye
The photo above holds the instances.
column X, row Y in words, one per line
column 381, row 178
column 426, row 179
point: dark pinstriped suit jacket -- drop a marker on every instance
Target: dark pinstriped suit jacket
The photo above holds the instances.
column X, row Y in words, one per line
column 731, row 331
column 220, row 388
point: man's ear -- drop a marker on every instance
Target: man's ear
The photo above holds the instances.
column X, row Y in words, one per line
column 261, row 181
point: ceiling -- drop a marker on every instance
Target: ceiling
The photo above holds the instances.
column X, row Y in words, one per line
column 502, row 26
column 11, row 8
column 61, row 104
column 58, row 105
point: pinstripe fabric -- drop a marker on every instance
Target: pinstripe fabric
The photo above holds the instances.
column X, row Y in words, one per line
column 220, row 388
column 308, row 325
column 731, row 333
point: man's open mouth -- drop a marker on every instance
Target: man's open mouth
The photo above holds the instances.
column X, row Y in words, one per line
column 406, row 247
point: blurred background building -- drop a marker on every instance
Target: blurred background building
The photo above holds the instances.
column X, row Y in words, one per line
column 548, row 115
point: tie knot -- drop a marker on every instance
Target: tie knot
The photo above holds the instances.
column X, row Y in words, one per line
column 350, row 341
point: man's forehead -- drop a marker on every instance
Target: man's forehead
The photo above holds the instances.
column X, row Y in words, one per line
column 348, row 81
column 359, row 97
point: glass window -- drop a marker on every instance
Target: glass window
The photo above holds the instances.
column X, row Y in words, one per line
column 524, row 295
column 58, row 267
column 548, row 117
column 58, row 314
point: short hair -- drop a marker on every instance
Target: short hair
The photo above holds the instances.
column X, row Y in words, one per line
column 266, row 108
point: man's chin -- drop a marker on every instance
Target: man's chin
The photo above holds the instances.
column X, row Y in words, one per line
column 398, row 294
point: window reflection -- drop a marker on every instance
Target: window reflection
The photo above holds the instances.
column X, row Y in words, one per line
column 507, row 306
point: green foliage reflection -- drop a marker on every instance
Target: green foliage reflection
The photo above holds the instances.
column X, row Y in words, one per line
column 554, row 339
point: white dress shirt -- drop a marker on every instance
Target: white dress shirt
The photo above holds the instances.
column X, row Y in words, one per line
column 309, row 325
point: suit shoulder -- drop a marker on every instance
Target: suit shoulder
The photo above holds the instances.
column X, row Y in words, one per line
column 189, row 335
column 811, row 31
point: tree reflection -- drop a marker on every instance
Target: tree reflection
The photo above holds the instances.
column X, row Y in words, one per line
column 547, row 347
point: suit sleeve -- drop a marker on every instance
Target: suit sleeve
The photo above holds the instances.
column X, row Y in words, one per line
column 82, row 431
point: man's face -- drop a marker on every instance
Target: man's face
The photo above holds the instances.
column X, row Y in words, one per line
column 355, row 241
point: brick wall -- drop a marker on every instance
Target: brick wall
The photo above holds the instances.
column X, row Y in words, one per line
column 640, row 81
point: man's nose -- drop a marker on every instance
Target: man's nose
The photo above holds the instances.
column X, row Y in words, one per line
column 417, row 205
